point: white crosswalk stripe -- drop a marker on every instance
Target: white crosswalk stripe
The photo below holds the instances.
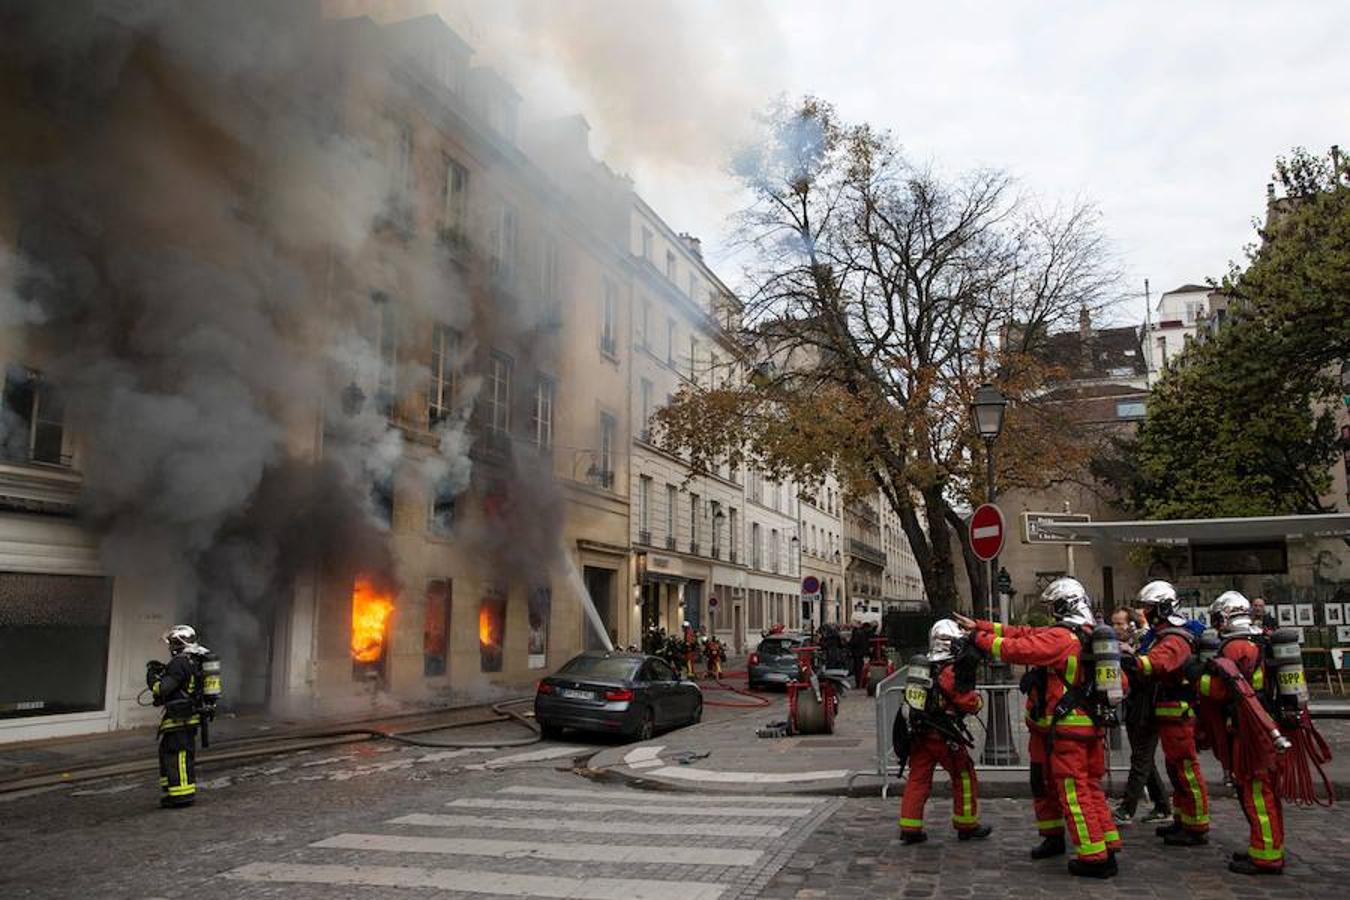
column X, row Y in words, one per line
column 582, row 844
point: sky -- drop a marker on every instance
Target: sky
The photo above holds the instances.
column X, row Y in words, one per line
column 1167, row 116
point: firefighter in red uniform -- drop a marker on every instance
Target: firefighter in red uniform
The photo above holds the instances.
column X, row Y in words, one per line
column 1165, row 664
column 936, row 740
column 1231, row 616
column 1066, row 747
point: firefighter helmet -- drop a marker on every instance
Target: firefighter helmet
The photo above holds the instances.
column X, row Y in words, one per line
column 1068, row 602
column 1159, row 600
column 180, row 637
column 1231, row 613
column 941, row 639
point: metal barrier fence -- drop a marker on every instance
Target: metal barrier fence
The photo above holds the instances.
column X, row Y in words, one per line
column 999, row 730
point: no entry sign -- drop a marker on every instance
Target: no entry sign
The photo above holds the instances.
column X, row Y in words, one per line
column 810, row 585
column 987, row 531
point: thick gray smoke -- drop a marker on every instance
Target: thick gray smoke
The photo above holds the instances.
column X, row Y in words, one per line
column 180, row 219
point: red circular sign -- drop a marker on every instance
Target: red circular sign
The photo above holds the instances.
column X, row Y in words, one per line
column 987, row 531
column 712, row 603
column 810, row 585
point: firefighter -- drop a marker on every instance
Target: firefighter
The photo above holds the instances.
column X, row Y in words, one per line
column 1066, row 746
column 177, row 687
column 1231, row 616
column 1165, row 664
column 937, row 738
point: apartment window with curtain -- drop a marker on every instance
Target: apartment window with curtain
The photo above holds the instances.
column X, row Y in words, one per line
column 545, row 393
column 454, row 200
column 609, row 315
column 34, row 419
column 499, row 395
column 607, row 429
column 441, row 391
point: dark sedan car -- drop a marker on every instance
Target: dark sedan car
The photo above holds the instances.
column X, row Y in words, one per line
column 621, row 693
column 774, row 661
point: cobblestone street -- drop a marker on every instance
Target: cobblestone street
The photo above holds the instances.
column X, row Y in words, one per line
column 857, row 854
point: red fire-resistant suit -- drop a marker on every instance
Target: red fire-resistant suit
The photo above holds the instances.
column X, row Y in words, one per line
column 929, row 749
column 1256, row 790
column 1175, row 719
column 1071, row 748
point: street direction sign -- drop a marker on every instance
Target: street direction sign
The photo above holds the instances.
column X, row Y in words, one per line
column 810, row 585
column 1032, row 533
column 987, row 531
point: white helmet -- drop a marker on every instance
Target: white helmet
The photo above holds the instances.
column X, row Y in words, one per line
column 1068, row 602
column 1231, row 613
column 940, row 639
column 1160, row 598
column 180, row 637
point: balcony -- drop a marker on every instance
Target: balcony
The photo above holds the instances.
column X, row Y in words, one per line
column 866, row 552
column 693, row 547
column 731, row 557
column 670, row 542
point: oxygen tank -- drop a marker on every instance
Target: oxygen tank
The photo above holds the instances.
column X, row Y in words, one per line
column 1286, row 658
column 918, row 682
column 1208, row 646
column 1106, row 669
column 210, row 680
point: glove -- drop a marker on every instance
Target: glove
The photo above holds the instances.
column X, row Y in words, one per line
column 1129, row 663
column 154, row 669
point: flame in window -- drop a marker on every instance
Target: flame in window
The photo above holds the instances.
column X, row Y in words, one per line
column 371, row 609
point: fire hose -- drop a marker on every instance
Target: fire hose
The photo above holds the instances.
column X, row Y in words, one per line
column 720, row 685
column 1309, row 751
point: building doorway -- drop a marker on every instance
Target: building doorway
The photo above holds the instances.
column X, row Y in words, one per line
column 738, row 628
column 600, row 587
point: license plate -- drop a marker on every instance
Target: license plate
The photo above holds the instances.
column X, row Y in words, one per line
column 575, row 695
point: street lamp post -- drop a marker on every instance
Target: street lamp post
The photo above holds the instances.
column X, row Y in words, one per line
column 988, row 409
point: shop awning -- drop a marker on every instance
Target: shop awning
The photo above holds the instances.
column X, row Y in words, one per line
column 1185, row 532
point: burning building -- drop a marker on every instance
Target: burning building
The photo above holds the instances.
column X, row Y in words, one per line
column 305, row 348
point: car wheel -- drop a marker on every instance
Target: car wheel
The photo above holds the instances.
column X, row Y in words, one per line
column 698, row 713
column 648, row 727
column 549, row 732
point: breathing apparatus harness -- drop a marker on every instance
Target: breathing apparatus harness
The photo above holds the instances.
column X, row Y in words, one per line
column 1099, row 693
column 923, row 700
column 200, row 695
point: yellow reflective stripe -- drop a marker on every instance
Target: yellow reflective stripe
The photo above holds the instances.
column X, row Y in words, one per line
column 163, row 781
column 182, row 791
column 1070, row 719
column 965, row 812
column 1257, row 853
column 910, row 823
column 1173, row 712
column 1085, row 847
column 1204, row 685
column 154, row 688
column 1201, row 816
column 1050, row 823
column 1259, row 678
column 1146, row 664
column 998, row 629
column 1071, row 670
column 1262, row 817
column 182, row 769
column 1111, row 836
column 997, row 648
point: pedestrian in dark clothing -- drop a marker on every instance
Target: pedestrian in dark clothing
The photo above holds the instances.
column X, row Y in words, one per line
column 857, row 650
column 1142, row 736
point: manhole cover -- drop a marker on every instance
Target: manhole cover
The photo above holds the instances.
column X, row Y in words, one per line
column 837, row 743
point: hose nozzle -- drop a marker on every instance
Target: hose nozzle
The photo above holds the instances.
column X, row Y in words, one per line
column 1281, row 742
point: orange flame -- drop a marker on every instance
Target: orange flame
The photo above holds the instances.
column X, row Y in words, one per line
column 486, row 633
column 370, row 617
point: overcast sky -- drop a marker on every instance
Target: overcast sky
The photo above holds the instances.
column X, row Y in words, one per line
column 1167, row 115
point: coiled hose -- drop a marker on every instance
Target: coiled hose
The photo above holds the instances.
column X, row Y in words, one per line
column 1309, row 751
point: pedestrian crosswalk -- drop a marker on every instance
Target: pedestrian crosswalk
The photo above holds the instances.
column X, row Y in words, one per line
column 578, row 843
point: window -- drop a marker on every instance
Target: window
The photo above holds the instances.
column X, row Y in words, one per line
column 441, row 391
column 755, row 603
column 403, row 170
column 607, row 427
column 646, row 243
column 646, row 400
column 503, row 243
column 756, row 557
column 499, row 395
column 54, row 643
column 645, row 509
column 778, row 495
column 544, row 392
column 31, row 422
column 672, row 500
column 717, row 534
column 386, row 342
column 773, row 550
column 670, row 342
column 609, row 320
column 549, row 277
column 644, row 322
column 1194, row 311
column 455, row 200
column 436, row 628
column 733, row 527
column 491, row 627
column 1129, row 409
column 382, row 498
column 693, row 358
column 441, row 511
column 693, row 522
column 670, row 264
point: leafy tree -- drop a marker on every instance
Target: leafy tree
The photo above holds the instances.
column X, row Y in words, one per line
column 1242, row 424
column 882, row 295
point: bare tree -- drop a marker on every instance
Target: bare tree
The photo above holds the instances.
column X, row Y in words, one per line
column 882, row 295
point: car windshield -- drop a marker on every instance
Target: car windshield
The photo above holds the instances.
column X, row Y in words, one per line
column 776, row 646
column 620, row 667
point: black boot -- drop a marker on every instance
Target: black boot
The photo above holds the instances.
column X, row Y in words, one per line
column 913, row 837
column 978, row 833
column 1185, row 839
column 1104, row 869
column 1171, row 828
column 1048, row 847
column 1245, row 866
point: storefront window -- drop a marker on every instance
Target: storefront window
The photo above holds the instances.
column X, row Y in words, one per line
column 53, row 643
column 491, row 628
column 436, row 631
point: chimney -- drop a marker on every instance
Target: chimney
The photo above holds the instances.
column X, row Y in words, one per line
column 1084, row 323
column 694, row 244
column 1085, row 339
